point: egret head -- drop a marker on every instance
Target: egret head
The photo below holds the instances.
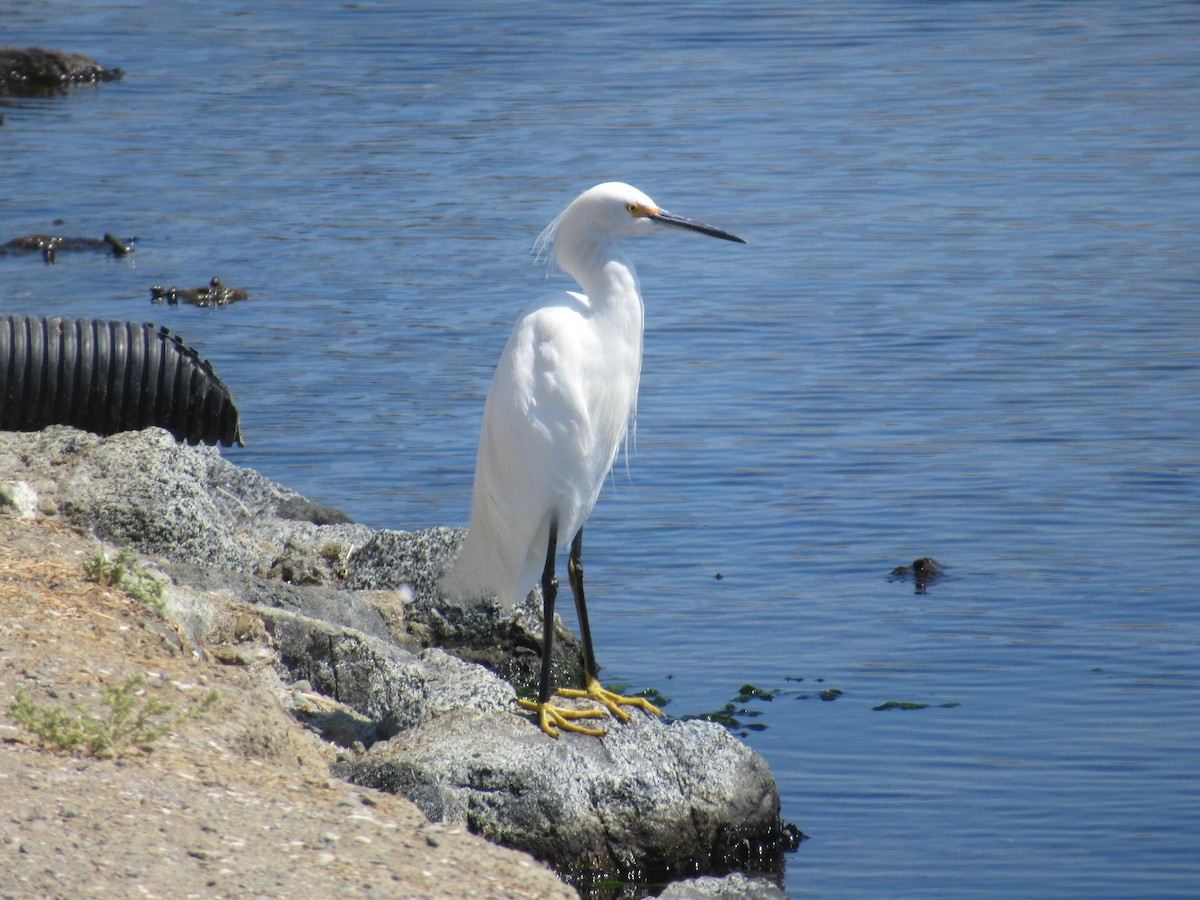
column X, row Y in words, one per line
column 606, row 212
column 614, row 208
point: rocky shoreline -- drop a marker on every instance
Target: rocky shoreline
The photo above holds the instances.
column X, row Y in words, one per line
column 402, row 693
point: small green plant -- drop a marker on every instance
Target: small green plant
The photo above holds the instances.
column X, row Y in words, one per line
column 126, row 575
column 132, row 720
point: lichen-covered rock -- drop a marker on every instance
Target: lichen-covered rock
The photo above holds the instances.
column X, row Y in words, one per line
column 732, row 887
column 183, row 503
column 19, row 497
column 506, row 640
column 648, row 800
column 392, row 686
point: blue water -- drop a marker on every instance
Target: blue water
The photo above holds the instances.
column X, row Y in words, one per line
column 965, row 326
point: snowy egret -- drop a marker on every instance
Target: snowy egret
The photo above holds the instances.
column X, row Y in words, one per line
column 560, row 405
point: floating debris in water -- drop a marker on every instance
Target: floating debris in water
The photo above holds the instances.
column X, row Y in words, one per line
column 923, row 572
column 212, row 294
column 50, row 245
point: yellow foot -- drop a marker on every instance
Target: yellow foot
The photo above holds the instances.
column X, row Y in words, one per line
column 552, row 717
column 613, row 702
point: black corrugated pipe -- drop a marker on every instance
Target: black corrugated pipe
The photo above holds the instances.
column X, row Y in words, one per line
column 107, row 377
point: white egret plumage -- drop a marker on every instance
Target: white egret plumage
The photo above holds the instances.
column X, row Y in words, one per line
column 558, row 410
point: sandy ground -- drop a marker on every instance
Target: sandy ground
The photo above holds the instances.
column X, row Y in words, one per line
column 234, row 801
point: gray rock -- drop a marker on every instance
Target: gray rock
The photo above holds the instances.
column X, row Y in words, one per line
column 387, row 684
column 144, row 490
column 648, row 800
column 651, row 800
column 193, row 612
column 397, row 559
column 20, row 497
column 508, row 641
column 183, row 503
column 346, row 609
column 732, row 887
column 222, row 525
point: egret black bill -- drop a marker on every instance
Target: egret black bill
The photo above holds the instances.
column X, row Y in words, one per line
column 662, row 217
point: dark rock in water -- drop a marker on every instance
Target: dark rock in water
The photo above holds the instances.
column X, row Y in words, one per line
column 39, row 72
column 49, row 246
column 923, row 572
column 212, row 294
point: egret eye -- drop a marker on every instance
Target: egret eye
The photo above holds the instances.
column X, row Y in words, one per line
column 633, row 208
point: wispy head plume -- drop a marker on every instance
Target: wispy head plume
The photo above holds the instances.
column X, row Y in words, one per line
column 543, row 247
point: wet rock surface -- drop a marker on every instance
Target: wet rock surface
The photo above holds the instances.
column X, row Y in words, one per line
column 41, row 72
column 391, row 674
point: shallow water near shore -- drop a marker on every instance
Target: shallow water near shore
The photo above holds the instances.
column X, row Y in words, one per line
column 965, row 327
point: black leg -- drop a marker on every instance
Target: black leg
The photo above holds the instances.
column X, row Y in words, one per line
column 549, row 594
column 575, row 573
column 551, row 717
column 594, row 690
